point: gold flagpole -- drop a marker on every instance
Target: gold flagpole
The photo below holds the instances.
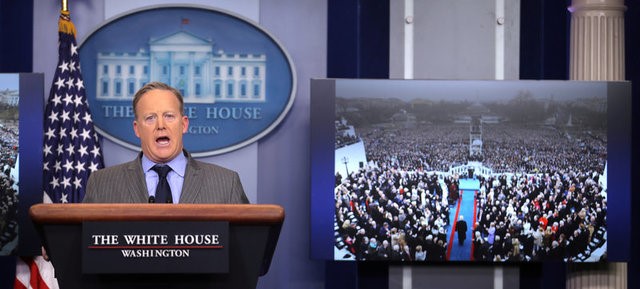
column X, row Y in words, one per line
column 65, row 6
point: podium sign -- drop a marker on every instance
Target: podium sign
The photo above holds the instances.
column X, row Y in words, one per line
column 155, row 247
column 247, row 233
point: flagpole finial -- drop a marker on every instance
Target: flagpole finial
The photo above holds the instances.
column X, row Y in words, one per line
column 64, row 23
column 65, row 6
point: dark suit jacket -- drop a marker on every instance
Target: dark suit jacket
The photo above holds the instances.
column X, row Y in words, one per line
column 461, row 227
column 203, row 183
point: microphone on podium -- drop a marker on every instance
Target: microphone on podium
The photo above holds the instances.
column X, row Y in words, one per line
column 152, row 199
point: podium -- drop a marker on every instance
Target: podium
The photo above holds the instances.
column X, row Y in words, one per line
column 252, row 235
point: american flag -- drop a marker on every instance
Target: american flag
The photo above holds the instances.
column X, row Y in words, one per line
column 71, row 150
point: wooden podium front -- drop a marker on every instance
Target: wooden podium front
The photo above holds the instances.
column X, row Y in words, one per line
column 253, row 235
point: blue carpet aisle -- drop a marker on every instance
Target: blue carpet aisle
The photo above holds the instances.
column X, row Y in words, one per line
column 456, row 252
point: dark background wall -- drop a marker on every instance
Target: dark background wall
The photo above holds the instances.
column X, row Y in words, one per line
column 358, row 47
column 16, row 26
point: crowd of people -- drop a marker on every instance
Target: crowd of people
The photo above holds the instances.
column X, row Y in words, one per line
column 538, row 149
column 543, row 202
column 506, row 148
column 428, row 147
column 8, row 193
column 385, row 213
column 550, row 216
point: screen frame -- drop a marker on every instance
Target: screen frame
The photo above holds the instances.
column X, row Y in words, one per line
column 31, row 137
column 322, row 206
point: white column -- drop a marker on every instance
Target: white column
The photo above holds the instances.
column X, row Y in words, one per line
column 407, row 271
column 408, row 39
column 597, row 53
column 597, row 40
column 597, row 275
column 500, row 40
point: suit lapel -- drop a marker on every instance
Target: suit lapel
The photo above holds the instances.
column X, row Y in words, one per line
column 190, row 187
column 138, row 190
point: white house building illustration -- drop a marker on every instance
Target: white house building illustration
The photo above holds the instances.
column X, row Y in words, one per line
column 188, row 63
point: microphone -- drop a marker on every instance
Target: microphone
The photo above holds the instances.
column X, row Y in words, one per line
column 152, row 199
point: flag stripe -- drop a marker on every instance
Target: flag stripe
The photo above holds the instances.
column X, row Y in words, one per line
column 23, row 273
column 33, row 273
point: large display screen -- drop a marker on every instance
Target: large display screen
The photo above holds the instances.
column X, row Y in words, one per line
column 21, row 118
column 486, row 171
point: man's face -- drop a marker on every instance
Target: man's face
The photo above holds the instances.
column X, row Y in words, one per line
column 160, row 125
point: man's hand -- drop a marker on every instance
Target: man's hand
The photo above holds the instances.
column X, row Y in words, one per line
column 44, row 254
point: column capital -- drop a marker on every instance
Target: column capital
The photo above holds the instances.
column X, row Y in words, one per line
column 589, row 5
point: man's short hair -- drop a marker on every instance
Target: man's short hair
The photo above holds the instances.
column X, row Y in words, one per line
column 153, row 86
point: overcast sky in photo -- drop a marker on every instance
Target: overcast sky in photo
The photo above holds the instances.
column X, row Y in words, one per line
column 470, row 90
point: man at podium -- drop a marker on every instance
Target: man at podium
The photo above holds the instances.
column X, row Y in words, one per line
column 164, row 172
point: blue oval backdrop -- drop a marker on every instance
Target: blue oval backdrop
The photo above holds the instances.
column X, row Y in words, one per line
column 238, row 82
